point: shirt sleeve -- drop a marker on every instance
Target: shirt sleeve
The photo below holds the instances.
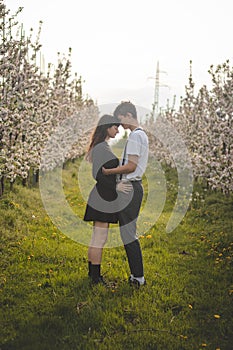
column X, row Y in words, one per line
column 134, row 145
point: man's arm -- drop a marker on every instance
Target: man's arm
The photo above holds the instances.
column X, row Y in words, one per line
column 123, row 169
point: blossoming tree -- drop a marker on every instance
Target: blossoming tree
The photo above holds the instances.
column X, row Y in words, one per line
column 33, row 103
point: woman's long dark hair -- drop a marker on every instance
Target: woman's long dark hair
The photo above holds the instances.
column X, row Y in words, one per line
column 100, row 133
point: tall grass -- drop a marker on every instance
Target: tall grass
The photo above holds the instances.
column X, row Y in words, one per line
column 48, row 303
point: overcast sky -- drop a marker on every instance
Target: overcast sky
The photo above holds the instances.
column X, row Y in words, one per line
column 116, row 44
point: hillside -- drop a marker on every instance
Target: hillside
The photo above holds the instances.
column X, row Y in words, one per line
column 47, row 302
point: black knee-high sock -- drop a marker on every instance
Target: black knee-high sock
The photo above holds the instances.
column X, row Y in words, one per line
column 95, row 273
column 134, row 255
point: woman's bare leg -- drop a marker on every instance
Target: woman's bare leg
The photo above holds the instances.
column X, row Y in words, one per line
column 98, row 240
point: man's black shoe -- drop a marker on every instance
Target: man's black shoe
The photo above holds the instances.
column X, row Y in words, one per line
column 135, row 283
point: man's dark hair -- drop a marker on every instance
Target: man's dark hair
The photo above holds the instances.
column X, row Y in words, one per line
column 124, row 108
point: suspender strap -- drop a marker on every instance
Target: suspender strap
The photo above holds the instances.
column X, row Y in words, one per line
column 124, row 158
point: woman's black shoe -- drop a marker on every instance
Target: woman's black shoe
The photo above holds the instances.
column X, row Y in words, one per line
column 100, row 280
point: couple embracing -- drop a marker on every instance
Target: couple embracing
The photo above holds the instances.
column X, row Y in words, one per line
column 118, row 193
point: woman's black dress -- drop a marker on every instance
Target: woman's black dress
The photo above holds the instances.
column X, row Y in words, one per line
column 101, row 205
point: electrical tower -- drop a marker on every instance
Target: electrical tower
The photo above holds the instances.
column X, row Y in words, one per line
column 155, row 104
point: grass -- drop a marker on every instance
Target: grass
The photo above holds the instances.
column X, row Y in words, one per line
column 47, row 302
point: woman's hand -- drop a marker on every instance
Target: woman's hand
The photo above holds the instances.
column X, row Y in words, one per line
column 124, row 187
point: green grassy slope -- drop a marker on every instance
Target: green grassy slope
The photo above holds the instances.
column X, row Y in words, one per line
column 47, row 302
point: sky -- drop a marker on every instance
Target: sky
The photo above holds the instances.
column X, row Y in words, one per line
column 116, row 44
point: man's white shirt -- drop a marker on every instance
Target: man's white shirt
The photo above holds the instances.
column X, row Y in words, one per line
column 137, row 145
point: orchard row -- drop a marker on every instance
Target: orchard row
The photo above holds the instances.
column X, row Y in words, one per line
column 204, row 122
column 34, row 104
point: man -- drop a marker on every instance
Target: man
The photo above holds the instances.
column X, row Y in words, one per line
column 133, row 166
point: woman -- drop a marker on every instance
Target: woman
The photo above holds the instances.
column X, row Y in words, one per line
column 102, row 205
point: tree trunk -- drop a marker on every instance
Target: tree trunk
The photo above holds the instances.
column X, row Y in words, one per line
column 35, row 177
column 2, row 186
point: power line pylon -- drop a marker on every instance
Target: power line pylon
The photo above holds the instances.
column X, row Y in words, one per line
column 155, row 104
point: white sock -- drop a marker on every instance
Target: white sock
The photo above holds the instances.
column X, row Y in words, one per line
column 141, row 280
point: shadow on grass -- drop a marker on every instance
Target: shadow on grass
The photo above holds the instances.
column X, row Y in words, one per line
column 74, row 321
